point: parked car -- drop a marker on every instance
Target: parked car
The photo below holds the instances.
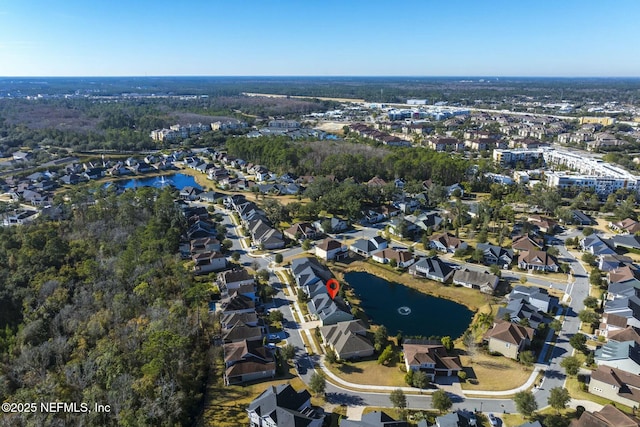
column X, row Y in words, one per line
column 493, row 420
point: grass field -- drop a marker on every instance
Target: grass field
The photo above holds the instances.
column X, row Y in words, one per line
column 493, row 373
column 369, row 372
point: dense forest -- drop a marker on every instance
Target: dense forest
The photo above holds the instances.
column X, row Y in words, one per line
column 99, row 309
column 348, row 160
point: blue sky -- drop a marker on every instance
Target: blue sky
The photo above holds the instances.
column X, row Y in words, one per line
column 320, row 37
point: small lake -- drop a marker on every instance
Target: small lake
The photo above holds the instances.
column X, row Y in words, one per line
column 178, row 180
column 401, row 308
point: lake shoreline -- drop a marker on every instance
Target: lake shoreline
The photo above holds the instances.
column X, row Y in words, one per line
column 473, row 300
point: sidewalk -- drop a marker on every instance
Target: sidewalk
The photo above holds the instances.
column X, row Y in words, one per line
column 466, row 393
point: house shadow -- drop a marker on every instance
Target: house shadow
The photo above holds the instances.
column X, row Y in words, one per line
column 344, row 399
column 554, row 373
column 279, row 302
column 503, row 288
column 446, row 380
column 350, row 369
column 472, row 378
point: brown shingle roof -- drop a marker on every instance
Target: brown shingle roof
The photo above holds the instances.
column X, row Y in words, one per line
column 622, row 274
column 628, row 384
column 525, row 243
column 329, row 244
column 609, row 416
column 418, row 354
column 535, row 257
column 509, row 332
column 627, row 334
column 615, row 320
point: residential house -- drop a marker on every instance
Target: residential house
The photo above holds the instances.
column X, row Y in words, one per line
column 206, row 262
column 407, row 205
column 627, row 334
column 18, row 217
column 264, row 235
column 236, row 304
column 336, row 225
column 617, row 385
column 521, row 312
column 205, row 244
column 538, row 297
column 580, row 218
column 328, row 311
column 537, row 260
column 22, row 156
column 627, row 307
column 427, row 221
column 459, row 418
column 624, row 274
column 627, row 225
column 446, row 242
column 389, row 211
column 367, row 247
column 71, row 179
column 301, row 231
column 190, row 193
column 596, row 245
column 624, row 355
column 348, row 339
column 235, row 278
column 283, row 406
column 401, row 227
column 496, row 255
column 310, row 275
column 228, row 320
column 545, row 225
column 402, row 259
column 627, row 241
column 608, row 416
column 526, row 243
column 247, row 361
column 609, row 263
column 373, row 215
column 481, row 280
column 330, row 249
column 376, row 181
column 248, row 291
column 429, row 357
column 239, row 331
column 432, row 268
column 374, row 419
column 508, row 339
column 210, row 196
column 201, row 229
column 611, row 324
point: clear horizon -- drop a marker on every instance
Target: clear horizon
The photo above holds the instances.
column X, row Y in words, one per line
column 399, row 76
column 568, row 39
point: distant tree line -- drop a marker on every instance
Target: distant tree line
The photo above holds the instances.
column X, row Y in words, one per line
column 346, row 160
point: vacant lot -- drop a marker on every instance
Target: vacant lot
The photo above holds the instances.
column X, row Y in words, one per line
column 493, row 373
column 370, row 373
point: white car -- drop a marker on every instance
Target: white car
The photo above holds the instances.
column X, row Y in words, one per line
column 493, row 420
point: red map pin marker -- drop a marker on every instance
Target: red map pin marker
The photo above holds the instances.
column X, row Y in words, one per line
column 333, row 287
